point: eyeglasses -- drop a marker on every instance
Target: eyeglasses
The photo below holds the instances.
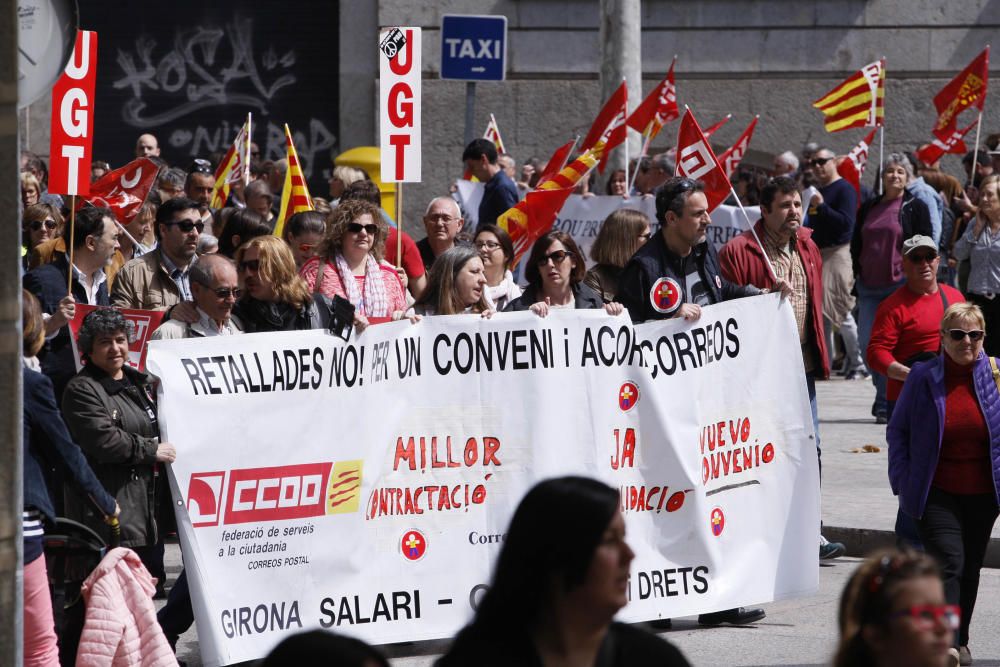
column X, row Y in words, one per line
column 975, row 335
column 251, row 265
column 187, row 226
column 557, row 257
column 819, row 161
column 927, row 615
column 226, row 292
column 489, row 245
column 921, row 258
column 440, row 217
column 36, row 225
column 356, row 227
column 307, row 247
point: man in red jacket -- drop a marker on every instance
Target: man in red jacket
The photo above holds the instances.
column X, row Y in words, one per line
column 796, row 260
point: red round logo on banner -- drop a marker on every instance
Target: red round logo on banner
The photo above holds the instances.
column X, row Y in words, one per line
column 718, row 521
column 413, row 545
column 665, row 295
column 628, row 396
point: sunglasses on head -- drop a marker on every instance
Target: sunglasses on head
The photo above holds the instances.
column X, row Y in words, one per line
column 959, row 334
column 557, row 257
column 187, row 226
column 356, row 227
column 252, row 265
column 36, row 225
column 201, row 166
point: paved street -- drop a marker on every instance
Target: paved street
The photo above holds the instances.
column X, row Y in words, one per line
column 858, row 508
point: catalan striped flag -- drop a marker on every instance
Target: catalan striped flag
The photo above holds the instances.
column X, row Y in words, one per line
column 295, row 193
column 235, row 166
column 533, row 216
column 856, row 102
column 493, row 134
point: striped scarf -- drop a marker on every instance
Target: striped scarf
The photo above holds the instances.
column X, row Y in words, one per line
column 374, row 302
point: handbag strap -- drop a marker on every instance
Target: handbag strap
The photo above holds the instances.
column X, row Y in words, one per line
column 320, row 272
column 996, row 372
column 944, row 299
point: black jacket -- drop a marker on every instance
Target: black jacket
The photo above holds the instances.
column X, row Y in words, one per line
column 655, row 260
column 48, row 283
column 115, row 425
column 50, row 455
column 583, row 297
column 258, row 316
column 913, row 217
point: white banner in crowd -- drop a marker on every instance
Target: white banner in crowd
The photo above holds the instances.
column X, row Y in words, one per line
column 366, row 487
column 581, row 217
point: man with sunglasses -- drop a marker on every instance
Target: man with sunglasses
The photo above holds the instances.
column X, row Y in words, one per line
column 215, row 288
column 160, row 280
column 831, row 215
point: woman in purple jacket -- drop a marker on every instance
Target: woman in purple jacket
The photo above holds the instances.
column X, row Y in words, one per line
column 944, row 456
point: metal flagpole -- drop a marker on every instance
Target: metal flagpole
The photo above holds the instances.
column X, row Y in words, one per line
column 881, row 164
column 246, row 166
column 642, row 153
column 975, row 151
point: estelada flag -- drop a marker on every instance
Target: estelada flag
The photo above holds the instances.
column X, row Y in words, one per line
column 556, row 162
column 123, row 190
column 858, row 101
column 932, row 152
column 658, row 109
column 533, row 216
column 295, row 193
column 967, row 89
column 696, row 160
column 235, row 166
column 609, row 127
column 732, row 157
column 493, row 134
column 853, row 167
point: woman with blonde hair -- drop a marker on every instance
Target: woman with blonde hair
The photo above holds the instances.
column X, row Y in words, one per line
column 275, row 298
column 457, row 285
column 40, row 223
column 31, row 189
column 621, row 234
column 944, row 456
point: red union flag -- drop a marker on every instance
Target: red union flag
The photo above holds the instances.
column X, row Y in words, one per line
column 72, row 127
column 734, row 155
column 696, row 160
column 659, row 107
column 712, row 129
column 123, row 190
column 853, row 166
column 609, row 127
column 932, row 152
column 967, row 89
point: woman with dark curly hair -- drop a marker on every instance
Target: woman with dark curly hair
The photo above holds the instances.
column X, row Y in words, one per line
column 555, row 273
column 351, row 259
column 561, row 577
column 110, row 410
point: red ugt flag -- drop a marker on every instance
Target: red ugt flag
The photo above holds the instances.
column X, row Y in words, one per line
column 696, row 160
column 731, row 159
column 933, row 151
column 967, row 89
column 853, row 167
column 658, row 109
column 123, row 190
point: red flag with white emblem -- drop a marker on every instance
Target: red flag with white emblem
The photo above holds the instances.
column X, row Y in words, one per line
column 659, row 107
column 734, row 155
column 853, row 167
column 696, row 160
column 967, row 89
column 932, row 152
column 123, row 190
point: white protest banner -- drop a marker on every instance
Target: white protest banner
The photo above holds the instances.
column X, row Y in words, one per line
column 366, row 486
column 399, row 104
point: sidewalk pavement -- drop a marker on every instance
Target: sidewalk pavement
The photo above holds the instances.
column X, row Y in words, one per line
column 858, row 506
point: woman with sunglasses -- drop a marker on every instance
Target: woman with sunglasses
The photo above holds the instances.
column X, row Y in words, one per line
column 980, row 244
column 893, row 614
column 555, row 273
column 274, row 297
column 351, row 259
column 883, row 223
column 303, row 233
column 40, row 223
column 497, row 252
column 944, row 456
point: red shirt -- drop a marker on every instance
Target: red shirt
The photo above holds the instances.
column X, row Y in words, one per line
column 907, row 323
column 964, row 463
column 412, row 264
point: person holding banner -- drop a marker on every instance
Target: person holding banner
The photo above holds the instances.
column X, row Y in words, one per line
column 457, row 286
column 349, row 264
column 980, row 244
column 94, row 242
column 555, row 273
column 893, row 613
column 561, row 576
column 621, row 234
column 496, row 249
column 274, row 297
column 110, row 410
column 944, row 457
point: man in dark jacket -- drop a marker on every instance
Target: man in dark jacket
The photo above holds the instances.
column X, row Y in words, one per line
column 499, row 193
column 95, row 240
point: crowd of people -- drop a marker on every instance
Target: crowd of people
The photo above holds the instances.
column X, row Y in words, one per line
column 887, row 283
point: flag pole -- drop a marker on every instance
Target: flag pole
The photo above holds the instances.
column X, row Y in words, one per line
column 626, row 125
column 975, row 151
column 399, row 225
column 246, row 168
column 642, row 153
column 72, row 239
column 767, row 260
column 881, row 164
